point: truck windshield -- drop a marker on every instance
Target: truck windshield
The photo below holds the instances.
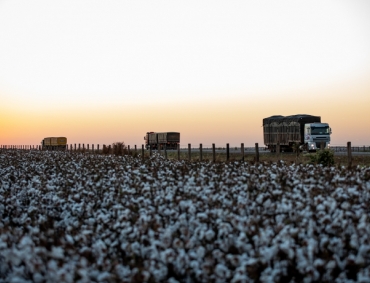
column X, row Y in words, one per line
column 319, row 130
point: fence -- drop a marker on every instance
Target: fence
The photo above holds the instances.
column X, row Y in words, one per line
column 353, row 148
column 227, row 150
column 110, row 150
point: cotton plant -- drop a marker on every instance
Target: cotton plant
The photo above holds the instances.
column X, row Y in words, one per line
column 72, row 217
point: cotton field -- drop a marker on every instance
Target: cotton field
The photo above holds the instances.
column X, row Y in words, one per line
column 70, row 217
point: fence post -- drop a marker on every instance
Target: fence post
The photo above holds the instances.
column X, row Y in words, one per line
column 227, row 152
column 178, row 151
column 159, row 148
column 142, row 152
column 97, row 148
column 257, row 153
column 165, row 151
column 214, row 152
column 88, row 147
column 189, row 152
column 79, row 147
column 128, row 150
column 135, row 150
column 200, row 152
column 92, row 148
column 349, row 153
column 322, row 145
column 278, row 148
column 242, row 150
column 150, row 150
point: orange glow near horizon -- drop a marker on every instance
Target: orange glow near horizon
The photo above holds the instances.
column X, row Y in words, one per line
column 204, row 122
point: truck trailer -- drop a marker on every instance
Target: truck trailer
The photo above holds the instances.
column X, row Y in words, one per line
column 54, row 143
column 305, row 130
column 168, row 140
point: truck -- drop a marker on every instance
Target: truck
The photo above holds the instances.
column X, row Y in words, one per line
column 162, row 140
column 305, row 130
column 54, row 143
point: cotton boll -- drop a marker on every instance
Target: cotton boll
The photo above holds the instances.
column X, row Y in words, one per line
column 222, row 272
column 200, row 251
column 38, row 278
column 103, row 276
column 57, row 253
column 209, row 234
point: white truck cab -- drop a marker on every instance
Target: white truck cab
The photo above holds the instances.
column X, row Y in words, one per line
column 314, row 134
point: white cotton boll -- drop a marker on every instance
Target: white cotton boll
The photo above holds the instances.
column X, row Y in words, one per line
column 333, row 206
column 359, row 259
column 26, row 241
column 12, row 256
column 285, row 247
column 135, row 248
column 99, row 246
column 354, row 241
column 182, row 261
column 3, row 245
column 277, row 192
column 52, row 265
column 103, row 276
column 331, row 264
column 168, row 256
column 323, row 241
column 267, row 275
column 31, row 209
column 259, row 199
column 201, row 251
column 345, row 205
column 172, row 280
column 37, row 278
column 50, row 188
column 318, row 262
column 202, row 216
column 57, row 253
column 222, row 271
column 69, row 239
column 209, row 234
column 16, row 278
column 192, row 254
column 320, row 207
column 362, row 222
column 166, row 238
column 84, row 274
column 267, row 203
column 124, row 272
column 363, row 276
column 91, row 221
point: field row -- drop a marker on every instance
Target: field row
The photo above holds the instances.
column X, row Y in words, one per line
column 104, row 218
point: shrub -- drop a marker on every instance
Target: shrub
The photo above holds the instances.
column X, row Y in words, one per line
column 119, row 148
column 105, row 149
column 297, row 150
column 324, row 157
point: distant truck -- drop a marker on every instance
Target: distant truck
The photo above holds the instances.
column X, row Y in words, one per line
column 170, row 140
column 54, row 143
column 306, row 130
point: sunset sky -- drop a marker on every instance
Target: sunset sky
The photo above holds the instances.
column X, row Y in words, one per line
column 108, row 71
